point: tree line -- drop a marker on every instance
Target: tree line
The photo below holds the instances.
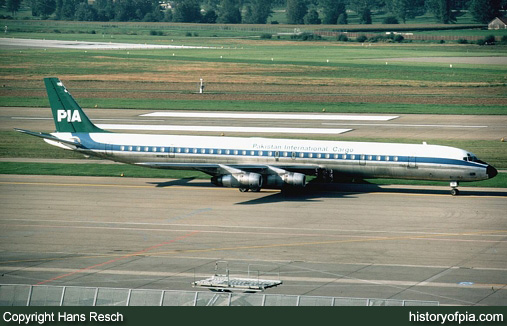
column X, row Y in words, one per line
column 259, row 11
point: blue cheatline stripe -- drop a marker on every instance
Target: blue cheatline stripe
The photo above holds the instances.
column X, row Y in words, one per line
column 92, row 145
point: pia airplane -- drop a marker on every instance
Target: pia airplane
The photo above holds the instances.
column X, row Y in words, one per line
column 254, row 163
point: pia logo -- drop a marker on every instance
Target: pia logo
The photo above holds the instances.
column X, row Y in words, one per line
column 68, row 115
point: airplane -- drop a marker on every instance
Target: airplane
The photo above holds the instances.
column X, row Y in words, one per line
column 251, row 164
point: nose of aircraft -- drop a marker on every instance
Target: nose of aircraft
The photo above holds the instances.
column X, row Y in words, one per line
column 491, row 171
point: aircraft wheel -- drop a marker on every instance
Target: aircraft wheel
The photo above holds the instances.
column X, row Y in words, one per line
column 454, row 192
column 243, row 189
column 255, row 189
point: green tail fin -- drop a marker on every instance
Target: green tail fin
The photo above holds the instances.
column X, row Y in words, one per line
column 67, row 114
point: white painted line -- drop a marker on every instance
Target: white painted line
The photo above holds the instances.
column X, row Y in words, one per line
column 221, row 115
column 28, row 118
column 224, row 129
column 434, row 277
column 400, row 125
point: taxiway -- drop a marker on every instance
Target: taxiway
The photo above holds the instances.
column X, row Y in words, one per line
column 412, row 243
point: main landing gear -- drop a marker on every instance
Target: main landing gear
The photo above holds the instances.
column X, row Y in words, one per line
column 454, row 188
column 252, row 189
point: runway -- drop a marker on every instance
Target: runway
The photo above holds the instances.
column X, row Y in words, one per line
column 410, row 126
column 19, row 43
column 412, row 243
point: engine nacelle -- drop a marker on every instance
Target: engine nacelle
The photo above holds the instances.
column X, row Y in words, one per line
column 289, row 178
column 239, row 180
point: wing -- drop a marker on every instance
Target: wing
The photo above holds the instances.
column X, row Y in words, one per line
column 215, row 169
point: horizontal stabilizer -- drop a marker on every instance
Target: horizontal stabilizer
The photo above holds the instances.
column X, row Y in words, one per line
column 48, row 136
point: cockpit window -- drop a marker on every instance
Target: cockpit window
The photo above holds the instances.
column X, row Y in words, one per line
column 472, row 158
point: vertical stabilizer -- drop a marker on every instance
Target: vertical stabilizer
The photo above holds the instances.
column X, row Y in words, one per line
column 67, row 114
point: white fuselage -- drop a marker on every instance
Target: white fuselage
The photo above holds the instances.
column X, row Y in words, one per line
column 362, row 159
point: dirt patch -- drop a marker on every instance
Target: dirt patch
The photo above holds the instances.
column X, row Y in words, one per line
column 454, row 60
column 274, row 98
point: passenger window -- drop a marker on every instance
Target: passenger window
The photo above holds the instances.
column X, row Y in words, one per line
column 396, row 158
column 301, row 154
column 344, row 156
column 353, row 157
column 378, row 157
column 227, row 151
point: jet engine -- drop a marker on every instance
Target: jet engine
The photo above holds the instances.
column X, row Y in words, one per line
column 239, row 180
column 289, row 178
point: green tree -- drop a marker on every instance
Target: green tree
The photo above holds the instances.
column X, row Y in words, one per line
column 124, row 10
column 296, row 11
column 154, row 14
column 483, row 11
column 58, row 9
column 85, row 12
column 257, row 12
column 331, row 10
column 312, row 17
column 187, row 11
column 364, row 7
column 442, row 10
column 343, row 19
column 68, row 9
column 105, row 10
column 210, row 17
column 365, row 17
column 406, row 9
column 229, row 12
column 13, row 6
column 45, row 8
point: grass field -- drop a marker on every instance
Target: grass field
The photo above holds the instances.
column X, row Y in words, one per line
column 264, row 76
column 243, row 72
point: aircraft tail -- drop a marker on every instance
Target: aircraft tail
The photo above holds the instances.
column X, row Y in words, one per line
column 67, row 114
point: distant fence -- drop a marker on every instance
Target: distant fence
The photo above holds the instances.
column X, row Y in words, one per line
column 43, row 295
column 407, row 36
